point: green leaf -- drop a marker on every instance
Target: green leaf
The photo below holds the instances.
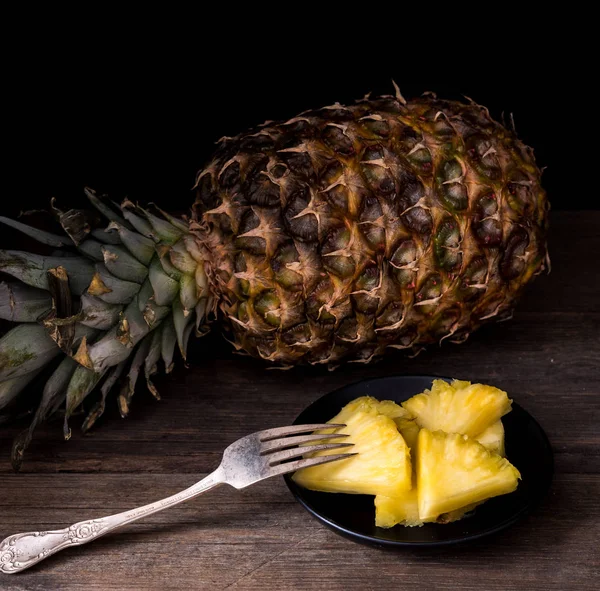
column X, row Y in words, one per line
column 181, row 319
column 139, row 246
column 169, row 340
column 97, row 313
column 123, row 265
column 188, row 292
column 140, row 224
column 111, row 289
column 39, row 235
column 32, row 269
column 181, row 258
column 21, row 303
column 151, row 361
column 98, row 410
column 91, row 248
column 106, row 236
column 163, row 229
column 53, row 396
column 104, row 208
column 165, row 288
column 82, row 382
column 24, row 349
column 128, row 390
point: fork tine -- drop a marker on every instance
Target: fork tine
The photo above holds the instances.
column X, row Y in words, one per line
column 269, row 434
column 285, row 442
column 296, row 452
column 307, row 463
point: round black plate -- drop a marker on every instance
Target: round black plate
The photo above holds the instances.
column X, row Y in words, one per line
column 353, row 516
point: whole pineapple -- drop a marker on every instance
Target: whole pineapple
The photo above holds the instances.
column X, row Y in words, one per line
column 332, row 236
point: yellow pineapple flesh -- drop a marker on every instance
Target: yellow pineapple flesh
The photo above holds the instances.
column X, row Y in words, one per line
column 382, row 464
column 367, row 403
column 454, row 471
column 404, row 510
column 410, row 431
column 460, row 407
column 493, row 438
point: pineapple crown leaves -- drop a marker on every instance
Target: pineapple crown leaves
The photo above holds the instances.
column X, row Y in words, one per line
column 114, row 300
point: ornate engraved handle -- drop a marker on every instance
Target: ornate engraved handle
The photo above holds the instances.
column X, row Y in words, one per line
column 20, row 551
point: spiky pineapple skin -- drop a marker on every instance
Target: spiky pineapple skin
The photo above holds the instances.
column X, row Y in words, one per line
column 351, row 229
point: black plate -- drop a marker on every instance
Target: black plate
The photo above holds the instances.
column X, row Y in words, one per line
column 353, row 516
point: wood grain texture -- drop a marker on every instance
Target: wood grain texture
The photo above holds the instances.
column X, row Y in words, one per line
column 547, row 358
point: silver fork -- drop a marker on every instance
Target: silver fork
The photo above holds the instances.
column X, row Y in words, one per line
column 248, row 460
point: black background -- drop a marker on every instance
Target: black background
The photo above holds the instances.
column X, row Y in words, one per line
column 138, row 119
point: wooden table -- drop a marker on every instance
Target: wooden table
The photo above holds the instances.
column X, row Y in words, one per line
column 547, row 357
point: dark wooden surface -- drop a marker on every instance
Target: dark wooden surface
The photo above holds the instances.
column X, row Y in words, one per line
column 547, row 358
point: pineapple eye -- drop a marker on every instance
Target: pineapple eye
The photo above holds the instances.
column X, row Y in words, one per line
column 331, row 173
column 338, row 197
column 430, row 289
column 392, row 314
column 267, row 305
column 422, row 158
column 481, row 150
column 296, row 334
column 298, row 127
column 230, row 177
column 254, row 244
column 520, row 197
column 375, row 236
column 446, row 242
column 301, row 223
column 342, row 266
column 337, row 140
column 456, row 196
column 278, row 170
column 512, row 264
column 442, row 128
column 488, row 232
column 374, row 152
column 452, row 190
column 206, row 191
column 487, row 205
column 378, row 178
column 348, row 329
column 263, row 192
column 298, row 162
column 418, row 219
column 242, row 312
column 451, row 170
column 257, row 142
column 474, row 275
column 405, row 254
column 445, row 321
column 374, row 127
column 368, row 279
column 411, row 191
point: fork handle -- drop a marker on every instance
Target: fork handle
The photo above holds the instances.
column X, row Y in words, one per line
column 20, row 551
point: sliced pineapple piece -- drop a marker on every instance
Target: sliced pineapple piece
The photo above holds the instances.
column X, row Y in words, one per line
column 382, row 464
column 460, row 407
column 404, row 510
column 454, row 471
column 493, row 438
column 367, row 403
column 410, row 431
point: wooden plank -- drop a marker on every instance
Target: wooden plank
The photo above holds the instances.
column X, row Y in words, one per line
column 261, row 539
